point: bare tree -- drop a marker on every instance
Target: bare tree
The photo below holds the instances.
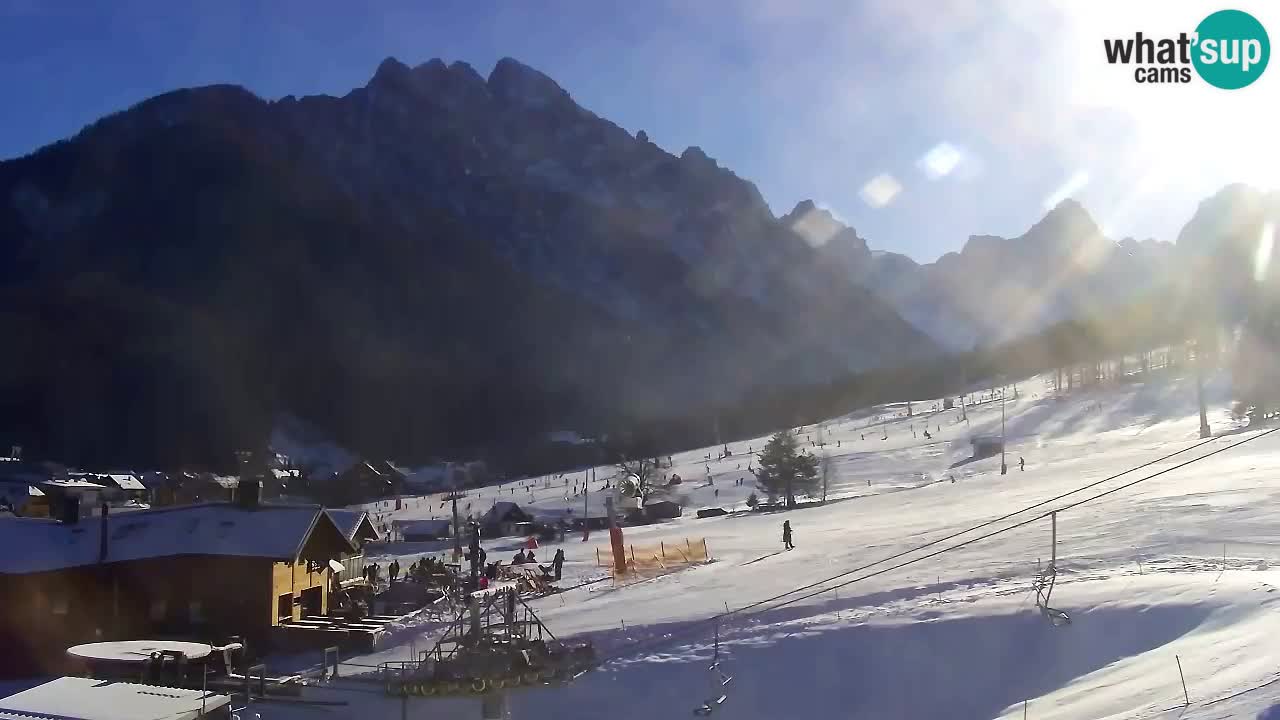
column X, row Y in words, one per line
column 641, row 472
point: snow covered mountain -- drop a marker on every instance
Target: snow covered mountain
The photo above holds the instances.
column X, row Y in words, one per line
column 995, row 288
column 435, row 260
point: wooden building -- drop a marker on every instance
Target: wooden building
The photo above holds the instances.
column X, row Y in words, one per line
column 355, row 525
column 199, row 572
column 423, row 530
column 503, row 519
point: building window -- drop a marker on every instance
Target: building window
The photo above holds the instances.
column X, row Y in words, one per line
column 159, row 609
column 195, row 611
column 59, row 605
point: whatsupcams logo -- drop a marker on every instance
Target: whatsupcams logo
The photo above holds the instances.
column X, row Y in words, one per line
column 1229, row 49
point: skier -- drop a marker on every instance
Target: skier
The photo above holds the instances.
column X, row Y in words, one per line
column 786, row 535
column 1022, row 464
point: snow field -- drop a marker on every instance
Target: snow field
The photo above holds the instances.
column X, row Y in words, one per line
column 1142, row 573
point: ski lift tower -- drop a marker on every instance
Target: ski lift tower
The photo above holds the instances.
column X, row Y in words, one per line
column 1004, row 469
column 454, row 496
column 495, row 642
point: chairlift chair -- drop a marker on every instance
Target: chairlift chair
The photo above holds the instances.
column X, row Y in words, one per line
column 718, row 680
column 1045, row 581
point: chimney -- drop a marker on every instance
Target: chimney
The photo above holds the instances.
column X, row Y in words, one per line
column 247, row 494
column 102, row 538
column 70, row 507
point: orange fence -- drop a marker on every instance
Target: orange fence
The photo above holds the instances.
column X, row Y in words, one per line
column 663, row 557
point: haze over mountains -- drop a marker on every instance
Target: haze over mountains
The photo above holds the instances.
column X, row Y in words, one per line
column 996, row 289
column 440, row 261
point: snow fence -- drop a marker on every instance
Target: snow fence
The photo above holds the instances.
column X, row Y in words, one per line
column 665, row 557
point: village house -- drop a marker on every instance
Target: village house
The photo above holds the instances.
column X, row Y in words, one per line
column 503, row 519
column 117, row 487
column 73, row 496
column 20, row 490
column 422, row 530
column 162, row 488
column 77, row 698
column 662, row 510
column 359, row 483
column 23, row 499
column 205, row 487
column 358, row 529
column 202, row 572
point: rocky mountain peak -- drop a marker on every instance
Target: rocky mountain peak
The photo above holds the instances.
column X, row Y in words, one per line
column 819, row 227
column 389, row 71
column 1068, row 222
column 515, row 82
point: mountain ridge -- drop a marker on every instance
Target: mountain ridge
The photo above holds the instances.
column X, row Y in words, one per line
column 429, row 262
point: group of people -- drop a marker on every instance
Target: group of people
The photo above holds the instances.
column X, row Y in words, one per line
column 554, row 570
column 418, row 571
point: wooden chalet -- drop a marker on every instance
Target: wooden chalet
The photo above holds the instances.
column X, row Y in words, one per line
column 503, row 519
column 200, row 572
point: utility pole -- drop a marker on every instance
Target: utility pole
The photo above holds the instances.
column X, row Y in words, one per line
column 453, row 496
column 1204, row 415
column 1004, row 469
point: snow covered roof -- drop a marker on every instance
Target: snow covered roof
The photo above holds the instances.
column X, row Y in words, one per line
column 154, row 479
column 127, row 482
column 72, row 485
column 415, row 527
column 74, row 698
column 277, row 532
column 124, row 481
column 350, row 522
column 502, row 510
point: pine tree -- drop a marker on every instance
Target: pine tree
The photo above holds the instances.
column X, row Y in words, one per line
column 784, row 471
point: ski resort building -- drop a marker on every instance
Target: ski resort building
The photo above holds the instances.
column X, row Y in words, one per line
column 355, row 525
column 423, row 530
column 503, row 519
column 205, row 572
column 77, row 698
column 662, row 510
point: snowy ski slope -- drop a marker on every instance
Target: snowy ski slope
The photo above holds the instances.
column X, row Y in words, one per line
column 1177, row 565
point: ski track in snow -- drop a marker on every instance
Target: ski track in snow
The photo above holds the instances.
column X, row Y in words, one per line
column 1142, row 573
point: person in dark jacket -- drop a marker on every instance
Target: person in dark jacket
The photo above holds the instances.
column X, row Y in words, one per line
column 786, row 535
column 557, row 562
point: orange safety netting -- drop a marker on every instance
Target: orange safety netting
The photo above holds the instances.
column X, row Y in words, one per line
column 665, row 556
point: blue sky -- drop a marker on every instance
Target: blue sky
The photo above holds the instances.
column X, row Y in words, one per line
column 806, row 99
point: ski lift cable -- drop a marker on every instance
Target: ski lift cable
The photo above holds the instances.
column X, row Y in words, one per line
column 1028, row 521
column 966, row 531
column 693, row 630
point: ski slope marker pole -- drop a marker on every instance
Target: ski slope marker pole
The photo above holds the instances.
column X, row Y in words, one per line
column 1185, row 696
